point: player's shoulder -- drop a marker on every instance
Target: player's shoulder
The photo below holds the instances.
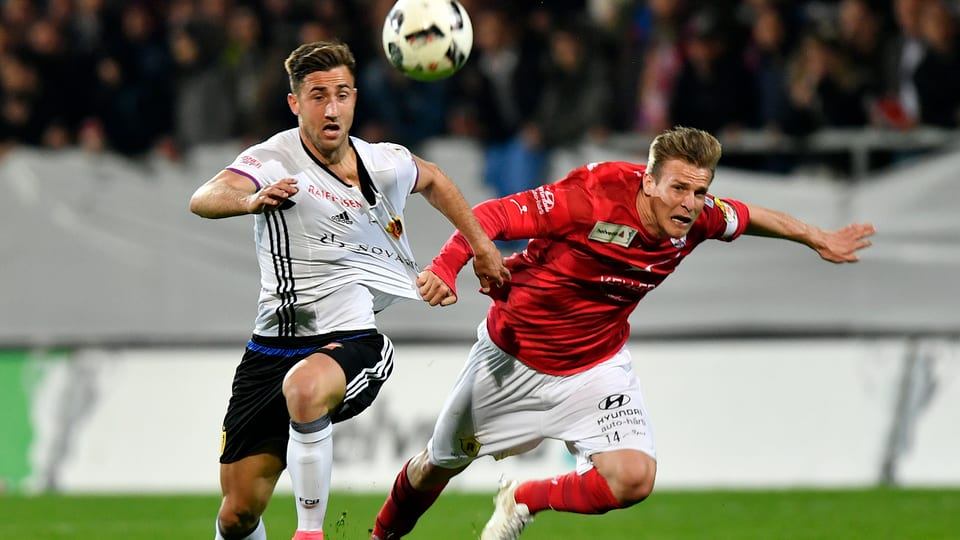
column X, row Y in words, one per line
column 606, row 171
column 382, row 152
column 604, row 176
column 281, row 146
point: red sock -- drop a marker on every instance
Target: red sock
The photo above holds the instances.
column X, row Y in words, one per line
column 572, row 492
column 403, row 507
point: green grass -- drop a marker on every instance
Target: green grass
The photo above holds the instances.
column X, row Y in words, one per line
column 881, row 514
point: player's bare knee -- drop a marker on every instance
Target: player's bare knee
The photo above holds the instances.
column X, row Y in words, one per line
column 305, row 399
column 425, row 475
column 634, row 481
column 236, row 520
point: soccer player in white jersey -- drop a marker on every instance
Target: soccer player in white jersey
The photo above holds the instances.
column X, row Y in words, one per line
column 332, row 252
column 550, row 360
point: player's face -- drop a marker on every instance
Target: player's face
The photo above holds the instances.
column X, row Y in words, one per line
column 325, row 105
column 677, row 197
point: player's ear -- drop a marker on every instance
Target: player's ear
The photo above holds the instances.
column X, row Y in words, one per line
column 649, row 184
column 294, row 105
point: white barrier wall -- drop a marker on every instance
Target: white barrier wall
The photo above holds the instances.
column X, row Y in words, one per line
column 767, row 413
column 121, row 260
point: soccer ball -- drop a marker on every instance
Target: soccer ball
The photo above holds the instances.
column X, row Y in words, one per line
column 427, row 39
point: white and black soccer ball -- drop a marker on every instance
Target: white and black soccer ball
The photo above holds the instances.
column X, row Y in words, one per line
column 427, row 40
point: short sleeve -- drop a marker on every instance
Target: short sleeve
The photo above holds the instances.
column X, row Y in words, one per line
column 726, row 219
column 261, row 166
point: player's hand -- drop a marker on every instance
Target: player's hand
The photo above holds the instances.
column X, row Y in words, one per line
column 434, row 291
column 842, row 245
column 489, row 268
column 271, row 197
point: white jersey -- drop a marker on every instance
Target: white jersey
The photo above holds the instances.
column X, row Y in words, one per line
column 329, row 259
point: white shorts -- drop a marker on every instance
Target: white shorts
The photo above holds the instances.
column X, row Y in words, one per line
column 500, row 407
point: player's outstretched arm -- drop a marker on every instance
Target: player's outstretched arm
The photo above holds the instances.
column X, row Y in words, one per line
column 839, row 246
column 230, row 194
column 444, row 195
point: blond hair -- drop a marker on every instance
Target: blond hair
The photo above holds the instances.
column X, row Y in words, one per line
column 694, row 146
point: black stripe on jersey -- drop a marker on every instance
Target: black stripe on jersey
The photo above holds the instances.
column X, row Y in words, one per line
column 283, row 268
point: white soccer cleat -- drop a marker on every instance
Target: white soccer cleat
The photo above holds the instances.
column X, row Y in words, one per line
column 509, row 518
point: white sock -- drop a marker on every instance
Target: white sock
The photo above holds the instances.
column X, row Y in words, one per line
column 309, row 461
column 259, row 533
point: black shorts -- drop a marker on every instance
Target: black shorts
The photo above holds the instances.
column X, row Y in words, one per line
column 257, row 419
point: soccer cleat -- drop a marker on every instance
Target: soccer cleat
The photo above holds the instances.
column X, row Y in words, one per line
column 308, row 535
column 509, row 518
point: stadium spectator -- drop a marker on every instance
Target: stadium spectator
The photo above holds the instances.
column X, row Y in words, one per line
column 824, row 90
column 134, row 97
column 23, row 115
column 859, row 38
column 553, row 343
column 205, row 105
column 123, row 98
column 899, row 107
column 496, row 94
column 332, row 253
column 575, row 100
column 395, row 107
column 245, row 59
column 652, row 55
column 766, row 59
column 767, row 55
column 398, row 108
column 937, row 77
column 709, row 92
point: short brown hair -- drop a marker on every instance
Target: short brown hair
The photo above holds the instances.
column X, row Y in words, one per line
column 691, row 145
column 318, row 56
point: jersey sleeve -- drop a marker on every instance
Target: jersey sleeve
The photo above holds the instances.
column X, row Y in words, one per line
column 725, row 219
column 401, row 159
column 547, row 211
column 262, row 167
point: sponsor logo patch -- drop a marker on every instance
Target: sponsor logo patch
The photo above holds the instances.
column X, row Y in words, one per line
column 613, row 401
column 612, row 233
column 544, row 197
column 521, row 207
column 395, row 228
column 470, row 445
column 728, row 214
column 342, row 218
column 251, row 161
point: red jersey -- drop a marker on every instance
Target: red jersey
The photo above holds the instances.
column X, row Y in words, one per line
column 589, row 262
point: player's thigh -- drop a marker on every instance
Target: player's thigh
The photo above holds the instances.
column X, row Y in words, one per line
column 366, row 362
column 602, row 410
column 493, row 409
column 314, row 386
column 248, row 483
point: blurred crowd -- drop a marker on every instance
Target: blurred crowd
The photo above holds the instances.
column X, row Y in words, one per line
column 145, row 76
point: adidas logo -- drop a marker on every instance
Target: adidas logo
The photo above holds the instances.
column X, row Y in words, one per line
column 342, row 218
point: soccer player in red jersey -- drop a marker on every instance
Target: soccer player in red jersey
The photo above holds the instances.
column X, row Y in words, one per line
column 552, row 346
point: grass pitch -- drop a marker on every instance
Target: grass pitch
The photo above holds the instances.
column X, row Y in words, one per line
column 876, row 514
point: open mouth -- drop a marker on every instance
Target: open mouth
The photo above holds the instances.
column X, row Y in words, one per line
column 331, row 130
column 681, row 220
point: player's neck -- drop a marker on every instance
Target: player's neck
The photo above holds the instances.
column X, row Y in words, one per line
column 647, row 218
column 328, row 157
column 334, row 158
